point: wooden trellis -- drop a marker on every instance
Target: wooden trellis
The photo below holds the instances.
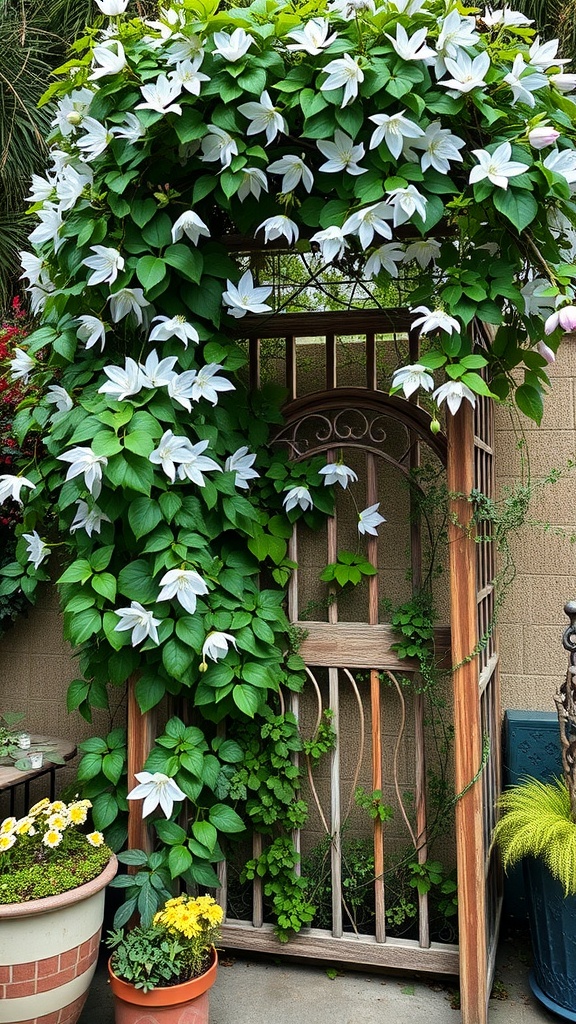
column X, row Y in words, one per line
column 387, row 434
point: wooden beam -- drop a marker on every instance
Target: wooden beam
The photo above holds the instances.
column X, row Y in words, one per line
column 330, row 645
column 467, row 722
column 141, row 734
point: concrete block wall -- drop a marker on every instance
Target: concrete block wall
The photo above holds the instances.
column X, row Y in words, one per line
column 532, row 619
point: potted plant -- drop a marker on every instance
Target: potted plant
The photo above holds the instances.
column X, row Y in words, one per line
column 538, row 826
column 167, row 966
column 53, row 873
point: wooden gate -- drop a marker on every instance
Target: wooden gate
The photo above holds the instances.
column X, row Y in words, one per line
column 332, row 411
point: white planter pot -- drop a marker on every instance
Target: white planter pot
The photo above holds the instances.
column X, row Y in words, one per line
column 48, row 953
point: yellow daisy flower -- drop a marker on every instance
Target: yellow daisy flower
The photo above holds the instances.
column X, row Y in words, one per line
column 77, row 813
column 8, row 826
column 95, row 838
column 6, row 842
column 57, row 807
column 40, row 806
column 24, row 826
column 58, row 821
column 52, row 838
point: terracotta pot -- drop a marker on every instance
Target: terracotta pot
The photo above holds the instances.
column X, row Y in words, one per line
column 48, row 953
column 176, row 1004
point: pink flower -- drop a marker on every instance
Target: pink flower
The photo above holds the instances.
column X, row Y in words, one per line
column 564, row 317
column 543, row 135
column 546, row 352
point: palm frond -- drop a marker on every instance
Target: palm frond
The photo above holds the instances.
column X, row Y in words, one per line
column 536, row 822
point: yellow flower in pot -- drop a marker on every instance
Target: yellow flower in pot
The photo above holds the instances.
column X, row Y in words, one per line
column 53, row 874
column 169, row 965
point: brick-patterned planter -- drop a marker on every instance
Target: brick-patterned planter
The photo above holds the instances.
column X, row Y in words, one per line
column 48, row 953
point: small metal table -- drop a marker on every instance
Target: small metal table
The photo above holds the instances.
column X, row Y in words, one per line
column 11, row 778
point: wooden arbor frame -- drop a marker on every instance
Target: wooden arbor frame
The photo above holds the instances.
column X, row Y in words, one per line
column 467, row 452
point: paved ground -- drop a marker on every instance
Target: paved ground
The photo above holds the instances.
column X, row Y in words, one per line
column 267, row 992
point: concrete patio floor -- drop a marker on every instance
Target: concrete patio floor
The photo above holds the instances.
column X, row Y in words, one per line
column 250, row 991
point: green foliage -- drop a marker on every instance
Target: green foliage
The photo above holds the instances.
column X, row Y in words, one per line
column 324, row 739
column 373, row 804
column 65, row 872
column 348, row 569
column 288, row 891
column 147, row 957
column 536, row 822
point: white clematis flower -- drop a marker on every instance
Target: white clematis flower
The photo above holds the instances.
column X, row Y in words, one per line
column 386, row 257
column 232, row 47
column 196, row 464
column 338, row 473
column 157, row 373
column 123, row 382
column 203, row 383
column 246, row 297
column 241, row 463
column 191, row 225
column 159, row 96
column 84, row 461
column 369, row 221
column 88, row 519
column 413, row 47
column 543, row 55
column 505, row 18
column 298, row 497
column 253, row 182
column 332, row 243
column 279, row 227
column 342, row 154
column 496, row 166
column 405, row 202
column 40, row 189
column 562, row 162
column 264, row 117
column 108, row 59
column 188, row 77
column 219, row 145
column 49, row 228
column 453, row 392
column 59, row 397
column 467, row 73
column 71, row 110
column 139, row 621
column 440, row 147
column 456, row 31
column 412, row 377
column 71, row 185
column 95, row 141
column 349, row 9
column 21, row 366
column 112, row 7
column 37, row 549
column 105, row 264
column 171, row 449
column 10, row 487
column 91, row 331
column 369, row 519
column 131, row 129
column 542, row 136
column 216, row 646
column 393, row 129
column 295, row 171
column 126, row 301
column 173, row 327
column 312, row 37
column 343, row 72
column 423, row 252
column 185, row 585
column 189, row 48
column 523, row 85
column 156, row 789
column 433, row 320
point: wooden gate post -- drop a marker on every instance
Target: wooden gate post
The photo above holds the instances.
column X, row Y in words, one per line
column 467, row 721
column 141, row 734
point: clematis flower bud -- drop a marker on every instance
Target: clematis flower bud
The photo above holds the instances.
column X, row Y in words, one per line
column 564, row 317
column 74, row 117
column 435, row 426
column 546, row 352
column 543, row 135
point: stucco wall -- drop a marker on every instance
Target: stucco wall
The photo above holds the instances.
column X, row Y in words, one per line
column 532, row 619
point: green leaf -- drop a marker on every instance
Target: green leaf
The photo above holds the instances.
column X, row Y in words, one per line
column 113, row 766
column 529, row 401
column 139, row 442
column 190, row 630
column 169, row 832
column 142, row 211
column 158, row 232
column 150, row 271
column 149, row 693
column 247, row 699
column 104, row 810
column 176, row 658
column 179, row 860
column 77, row 693
column 225, row 819
column 205, row 833
column 143, row 515
column 518, row 206
column 185, row 259
column 105, row 585
column 230, row 751
column 90, row 766
column 135, row 582
column 204, row 875
column 82, row 626
column 78, row 572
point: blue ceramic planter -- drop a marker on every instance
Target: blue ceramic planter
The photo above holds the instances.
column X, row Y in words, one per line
column 552, row 919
